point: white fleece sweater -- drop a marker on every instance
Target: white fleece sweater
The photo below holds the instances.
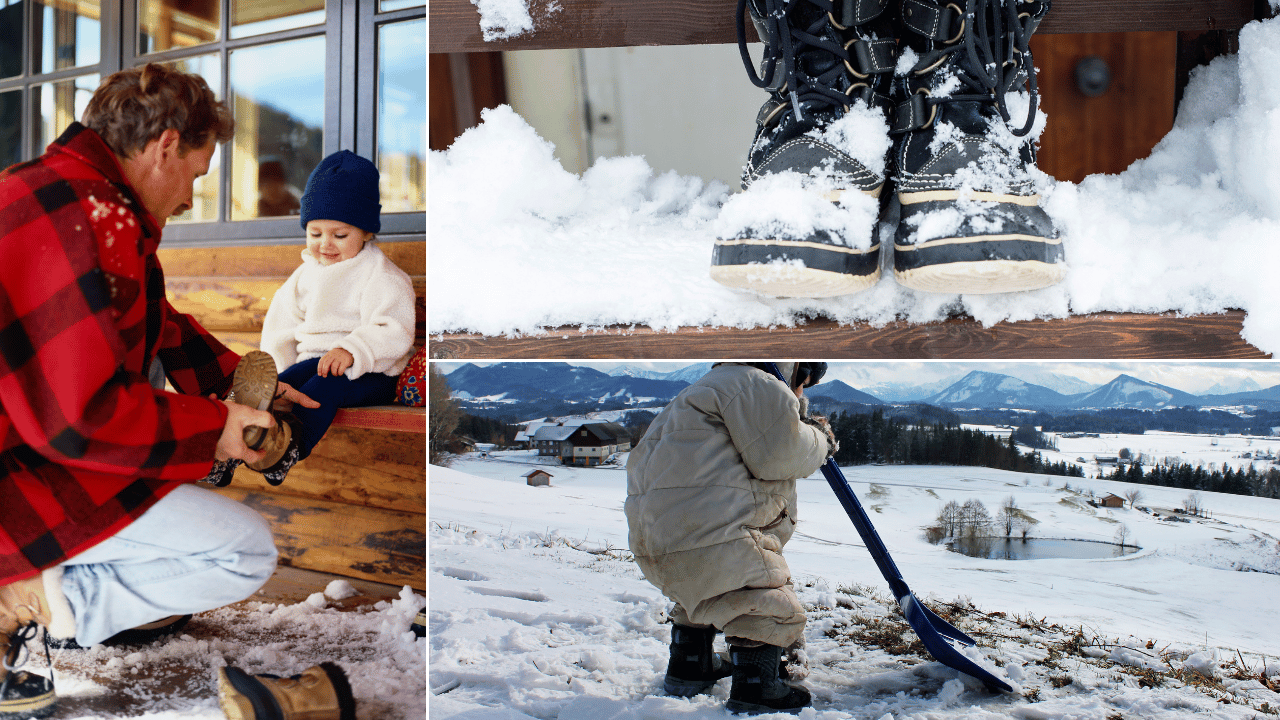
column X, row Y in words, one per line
column 363, row 305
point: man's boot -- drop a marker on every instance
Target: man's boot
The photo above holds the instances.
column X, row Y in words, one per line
column 827, row 66
column 26, row 605
column 757, row 688
column 320, row 692
column 694, row 666
column 964, row 155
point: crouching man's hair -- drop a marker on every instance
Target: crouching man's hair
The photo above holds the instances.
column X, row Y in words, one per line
column 133, row 107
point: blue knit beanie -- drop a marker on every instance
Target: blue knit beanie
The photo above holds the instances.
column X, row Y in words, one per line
column 343, row 187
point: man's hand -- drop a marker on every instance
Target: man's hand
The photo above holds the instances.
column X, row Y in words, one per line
column 287, row 395
column 231, row 444
column 335, row 362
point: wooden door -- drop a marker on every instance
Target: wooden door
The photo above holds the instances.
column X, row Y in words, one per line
column 1104, row 133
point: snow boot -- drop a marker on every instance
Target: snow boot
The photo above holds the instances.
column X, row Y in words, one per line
column 321, row 692
column 964, row 155
column 827, row 66
column 694, row 667
column 757, row 687
column 254, row 384
column 25, row 606
column 222, row 472
column 281, row 447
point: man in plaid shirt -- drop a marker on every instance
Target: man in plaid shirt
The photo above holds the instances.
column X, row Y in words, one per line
column 100, row 528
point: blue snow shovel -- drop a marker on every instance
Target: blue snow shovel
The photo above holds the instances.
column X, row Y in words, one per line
column 932, row 630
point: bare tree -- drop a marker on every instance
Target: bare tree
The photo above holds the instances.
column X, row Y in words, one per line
column 949, row 518
column 1193, row 504
column 976, row 520
column 1122, row 535
column 1007, row 518
column 1133, row 496
column 443, row 416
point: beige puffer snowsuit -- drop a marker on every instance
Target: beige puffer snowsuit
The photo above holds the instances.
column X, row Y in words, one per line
column 711, row 500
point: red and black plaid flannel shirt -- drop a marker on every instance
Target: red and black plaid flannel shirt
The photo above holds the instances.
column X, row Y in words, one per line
column 86, row 444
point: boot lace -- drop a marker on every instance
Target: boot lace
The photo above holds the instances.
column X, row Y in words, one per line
column 781, row 55
column 993, row 57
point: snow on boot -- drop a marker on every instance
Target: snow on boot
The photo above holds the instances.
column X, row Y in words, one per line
column 321, row 692
column 964, row 153
column 254, row 384
column 694, row 667
column 756, row 686
column 823, row 135
column 26, row 605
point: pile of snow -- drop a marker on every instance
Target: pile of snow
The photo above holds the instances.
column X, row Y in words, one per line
column 1187, row 229
column 536, row 610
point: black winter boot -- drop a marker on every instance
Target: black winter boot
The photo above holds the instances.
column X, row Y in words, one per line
column 756, row 686
column 694, row 667
column 970, row 218
column 824, row 60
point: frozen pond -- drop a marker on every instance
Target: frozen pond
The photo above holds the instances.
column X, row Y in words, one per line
column 999, row 548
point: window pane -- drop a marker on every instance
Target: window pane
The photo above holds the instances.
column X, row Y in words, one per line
column 12, row 40
column 61, row 103
column 204, row 198
column 279, row 125
column 402, row 115
column 10, row 128
column 167, row 24
column 68, row 33
column 389, row 5
column 254, row 17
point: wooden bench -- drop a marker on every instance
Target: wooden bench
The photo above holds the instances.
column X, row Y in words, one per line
column 1204, row 30
column 357, row 506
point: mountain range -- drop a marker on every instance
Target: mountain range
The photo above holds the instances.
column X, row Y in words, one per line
column 533, row 389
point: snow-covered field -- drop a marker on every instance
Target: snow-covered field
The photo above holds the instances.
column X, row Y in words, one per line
column 1158, row 446
column 535, row 609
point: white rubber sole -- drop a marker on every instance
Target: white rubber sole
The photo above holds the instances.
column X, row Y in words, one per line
column 983, row 278
column 783, row 280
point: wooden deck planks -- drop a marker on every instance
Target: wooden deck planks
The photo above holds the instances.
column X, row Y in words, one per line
column 455, row 24
column 1096, row 336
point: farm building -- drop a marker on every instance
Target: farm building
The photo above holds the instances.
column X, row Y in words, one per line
column 1111, row 500
column 537, row 478
column 586, row 444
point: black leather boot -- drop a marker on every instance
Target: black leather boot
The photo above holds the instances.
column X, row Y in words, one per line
column 756, row 686
column 970, row 219
column 694, row 666
column 822, row 59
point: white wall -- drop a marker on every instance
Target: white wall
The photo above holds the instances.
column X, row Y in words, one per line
column 685, row 108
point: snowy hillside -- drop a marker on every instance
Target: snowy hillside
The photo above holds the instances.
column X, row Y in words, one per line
column 537, row 612
column 984, row 389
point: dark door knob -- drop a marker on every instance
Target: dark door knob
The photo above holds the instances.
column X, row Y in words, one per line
column 1093, row 76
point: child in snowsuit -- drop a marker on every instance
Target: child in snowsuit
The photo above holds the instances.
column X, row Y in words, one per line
column 342, row 324
column 711, row 501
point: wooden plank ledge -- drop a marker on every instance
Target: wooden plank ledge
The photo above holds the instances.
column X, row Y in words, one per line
column 455, row 24
column 1095, row 336
column 384, row 417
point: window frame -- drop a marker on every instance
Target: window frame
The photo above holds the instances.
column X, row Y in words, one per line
column 350, row 105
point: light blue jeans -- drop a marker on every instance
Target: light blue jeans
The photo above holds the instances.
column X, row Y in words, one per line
column 192, row 551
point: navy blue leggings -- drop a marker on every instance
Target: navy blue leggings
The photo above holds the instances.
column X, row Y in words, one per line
column 332, row 392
